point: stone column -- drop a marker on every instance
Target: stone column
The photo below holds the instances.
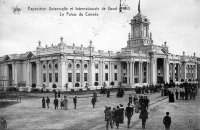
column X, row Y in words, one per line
column 74, row 73
column 14, row 66
column 173, row 72
column 119, row 72
column 179, row 74
column 110, row 73
column 100, row 73
column 183, row 71
column 63, row 73
column 38, row 73
column 131, row 73
column 82, row 73
column 195, row 71
column 128, row 73
column 166, row 70
column 153, row 70
column 91, row 72
column 28, row 73
column 147, row 73
column 141, row 74
column 47, row 74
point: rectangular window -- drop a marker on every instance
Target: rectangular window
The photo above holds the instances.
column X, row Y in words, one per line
column 96, row 77
column 56, row 77
column 115, row 76
column 44, row 77
column 50, row 77
column 77, row 77
column 115, row 66
column 106, row 76
column 69, row 77
column 85, row 76
column 106, row 66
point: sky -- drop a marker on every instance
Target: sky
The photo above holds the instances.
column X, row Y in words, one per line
column 175, row 21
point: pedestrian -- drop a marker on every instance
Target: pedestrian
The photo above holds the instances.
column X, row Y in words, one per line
column 47, row 101
column 58, row 93
column 135, row 99
column 129, row 113
column 55, row 94
column 137, row 106
column 61, row 104
column 143, row 115
column 93, row 101
column 108, row 116
column 130, row 99
column 3, row 124
column 43, row 102
column 56, row 103
column 75, row 101
column 65, row 102
column 108, row 93
column 167, row 121
column 117, row 117
column 121, row 119
column 113, row 115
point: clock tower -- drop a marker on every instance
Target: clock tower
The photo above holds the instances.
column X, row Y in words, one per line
column 139, row 31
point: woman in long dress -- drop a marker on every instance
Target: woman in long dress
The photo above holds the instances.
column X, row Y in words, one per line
column 65, row 102
column 137, row 105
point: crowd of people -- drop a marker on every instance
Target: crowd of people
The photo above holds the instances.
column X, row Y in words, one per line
column 183, row 91
column 135, row 105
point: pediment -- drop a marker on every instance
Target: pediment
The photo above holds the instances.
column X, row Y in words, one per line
column 6, row 58
column 161, row 51
column 29, row 55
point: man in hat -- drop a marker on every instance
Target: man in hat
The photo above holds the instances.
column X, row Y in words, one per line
column 129, row 113
column 167, row 121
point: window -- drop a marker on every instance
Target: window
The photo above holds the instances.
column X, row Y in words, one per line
column 50, row 66
column 115, row 76
column 44, row 77
column 85, row 66
column 44, row 67
column 106, row 66
column 77, row 66
column 96, row 66
column 106, row 76
column 96, row 77
column 85, row 76
column 115, row 66
column 56, row 66
column 69, row 77
column 77, row 77
column 69, row 65
column 50, row 77
column 56, row 77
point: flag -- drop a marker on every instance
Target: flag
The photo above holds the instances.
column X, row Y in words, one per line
column 139, row 7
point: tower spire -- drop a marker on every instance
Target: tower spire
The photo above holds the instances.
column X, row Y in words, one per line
column 139, row 7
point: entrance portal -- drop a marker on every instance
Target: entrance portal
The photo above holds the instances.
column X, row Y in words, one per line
column 160, row 70
column 33, row 74
column 10, row 75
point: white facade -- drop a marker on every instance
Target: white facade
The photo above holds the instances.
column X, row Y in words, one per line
column 140, row 63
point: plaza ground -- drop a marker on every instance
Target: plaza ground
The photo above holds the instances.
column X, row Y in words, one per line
column 29, row 114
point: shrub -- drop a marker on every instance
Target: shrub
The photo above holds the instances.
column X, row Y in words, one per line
column 12, row 89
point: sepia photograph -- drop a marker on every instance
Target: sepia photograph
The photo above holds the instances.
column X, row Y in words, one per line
column 99, row 64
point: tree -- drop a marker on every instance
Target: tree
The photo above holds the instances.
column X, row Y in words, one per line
column 54, row 86
column 66, row 86
column 104, row 84
column 96, row 84
column 86, row 86
column 77, row 85
column 112, row 83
